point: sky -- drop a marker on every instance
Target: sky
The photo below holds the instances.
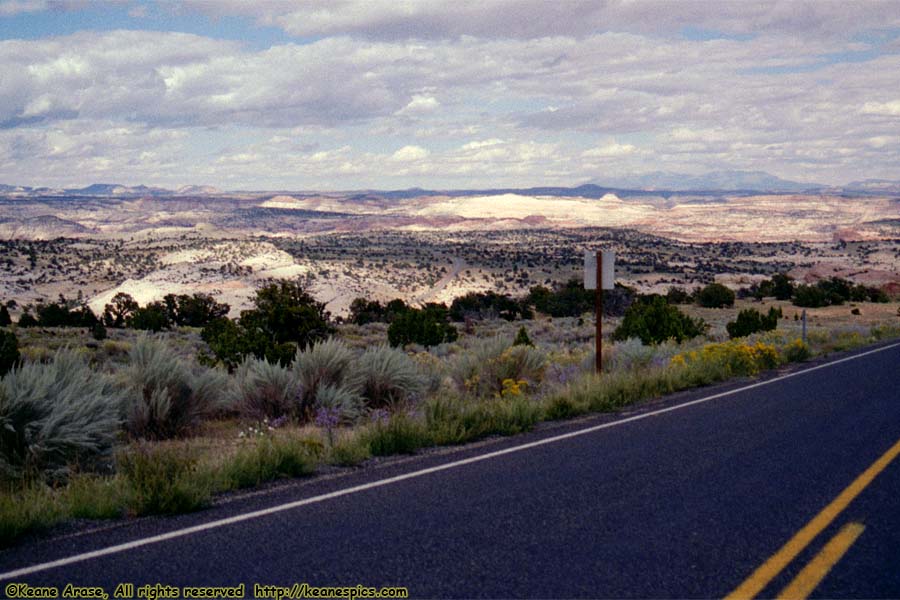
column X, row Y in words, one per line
column 391, row 94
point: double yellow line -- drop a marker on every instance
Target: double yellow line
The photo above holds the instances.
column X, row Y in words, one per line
column 811, row 575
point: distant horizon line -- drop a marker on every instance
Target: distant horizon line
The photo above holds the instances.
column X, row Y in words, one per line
column 197, row 188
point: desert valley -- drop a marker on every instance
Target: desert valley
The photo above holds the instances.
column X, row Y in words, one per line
column 424, row 246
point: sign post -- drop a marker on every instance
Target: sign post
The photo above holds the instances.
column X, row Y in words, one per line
column 598, row 308
column 599, row 275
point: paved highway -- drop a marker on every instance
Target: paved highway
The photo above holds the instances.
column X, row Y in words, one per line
column 788, row 486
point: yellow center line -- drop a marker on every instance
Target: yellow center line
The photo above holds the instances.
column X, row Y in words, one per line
column 813, row 573
column 762, row 576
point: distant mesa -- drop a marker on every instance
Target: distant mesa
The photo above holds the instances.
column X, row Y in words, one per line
column 755, row 181
column 660, row 183
column 878, row 186
column 197, row 190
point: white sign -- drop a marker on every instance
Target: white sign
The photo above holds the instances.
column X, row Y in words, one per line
column 590, row 269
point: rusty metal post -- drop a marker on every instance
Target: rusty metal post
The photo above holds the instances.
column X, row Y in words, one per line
column 598, row 306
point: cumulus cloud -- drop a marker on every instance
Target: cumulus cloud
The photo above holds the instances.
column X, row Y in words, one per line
column 409, row 154
column 530, row 19
column 420, row 104
column 891, row 108
column 613, row 149
column 514, row 89
column 181, row 78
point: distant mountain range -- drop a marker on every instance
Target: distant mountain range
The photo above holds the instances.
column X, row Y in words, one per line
column 876, row 186
column 757, row 181
column 658, row 182
column 112, row 189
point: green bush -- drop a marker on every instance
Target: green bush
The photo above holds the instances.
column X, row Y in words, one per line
column 653, row 321
column 197, row 310
column 98, row 331
column 567, row 300
column 152, row 317
column 65, row 313
column 427, row 327
column 809, row 296
column 27, row 320
column 5, row 319
column 120, row 308
column 388, row 377
column 9, row 351
column 522, row 338
column 715, row 295
column 265, row 390
column 488, row 305
column 54, row 416
column 286, row 313
column 782, row 286
column 164, row 398
column 363, row 311
column 677, row 295
column 162, row 479
column 285, row 318
column 751, row 320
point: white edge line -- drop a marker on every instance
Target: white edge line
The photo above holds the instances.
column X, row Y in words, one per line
column 390, row 480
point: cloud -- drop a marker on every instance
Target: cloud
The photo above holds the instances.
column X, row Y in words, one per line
column 532, row 19
column 186, row 79
column 410, row 154
column 460, row 97
column 613, row 149
column 420, row 104
column 9, row 8
column 891, row 108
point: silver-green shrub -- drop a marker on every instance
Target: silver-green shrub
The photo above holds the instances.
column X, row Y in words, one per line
column 482, row 369
column 55, row 415
column 389, row 377
column 325, row 364
column 345, row 405
column 264, row 389
column 165, row 397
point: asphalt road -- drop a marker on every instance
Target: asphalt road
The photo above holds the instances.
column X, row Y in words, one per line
column 689, row 502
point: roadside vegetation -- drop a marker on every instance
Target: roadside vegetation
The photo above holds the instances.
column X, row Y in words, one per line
column 145, row 422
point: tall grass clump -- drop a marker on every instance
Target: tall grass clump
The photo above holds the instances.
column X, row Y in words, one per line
column 264, row 389
column 162, row 479
column 164, row 398
column 397, row 434
column 389, row 377
column 272, row 457
column 613, row 390
column 455, row 420
column 349, row 450
column 55, row 415
column 483, row 370
column 31, row 508
column 325, row 378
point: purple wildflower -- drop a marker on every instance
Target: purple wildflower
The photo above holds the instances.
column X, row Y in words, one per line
column 328, row 417
column 380, row 415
